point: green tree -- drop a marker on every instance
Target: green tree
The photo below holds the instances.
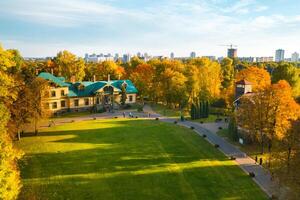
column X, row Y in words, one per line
column 123, row 95
column 290, row 73
column 227, row 72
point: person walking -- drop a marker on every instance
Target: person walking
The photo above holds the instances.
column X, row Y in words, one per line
column 124, row 115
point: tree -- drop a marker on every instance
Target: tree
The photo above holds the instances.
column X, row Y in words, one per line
column 290, row 73
column 142, row 77
column 10, row 183
column 108, row 68
column 123, row 95
column 227, row 72
column 38, row 94
column 70, row 66
column 260, row 78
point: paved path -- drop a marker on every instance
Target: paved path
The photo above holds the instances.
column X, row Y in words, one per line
column 262, row 176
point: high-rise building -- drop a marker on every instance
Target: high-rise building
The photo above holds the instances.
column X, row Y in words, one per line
column 193, row 54
column 126, row 58
column 172, row 56
column 295, row 57
column 231, row 53
column 279, row 55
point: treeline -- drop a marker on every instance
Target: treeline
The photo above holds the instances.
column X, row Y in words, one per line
column 21, row 94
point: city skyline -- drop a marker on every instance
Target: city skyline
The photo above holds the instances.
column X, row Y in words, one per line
column 42, row 28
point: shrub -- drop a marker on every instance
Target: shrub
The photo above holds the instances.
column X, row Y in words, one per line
column 217, row 146
column 192, row 127
column 140, row 108
column 220, row 128
column 115, row 117
column 156, row 118
column 201, row 122
column 204, row 136
column 251, row 174
column 232, row 158
column 175, row 122
column 94, row 118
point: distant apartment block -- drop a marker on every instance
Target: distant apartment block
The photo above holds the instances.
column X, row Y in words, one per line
column 279, row 55
column 232, row 53
column 295, row 57
column 256, row 59
column 193, row 54
column 172, row 56
column 98, row 58
column 126, row 58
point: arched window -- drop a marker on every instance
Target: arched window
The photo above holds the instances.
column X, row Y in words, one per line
column 108, row 90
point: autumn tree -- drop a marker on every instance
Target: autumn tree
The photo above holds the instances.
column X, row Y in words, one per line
column 106, row 68
column 69, row 65
column 260, row 78
column 10, row 183
column 205, row 77
column 142, row 77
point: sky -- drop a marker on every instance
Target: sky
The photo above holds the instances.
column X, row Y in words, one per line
column 40, row 28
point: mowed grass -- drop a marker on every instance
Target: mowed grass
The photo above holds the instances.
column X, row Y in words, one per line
column 128, row 159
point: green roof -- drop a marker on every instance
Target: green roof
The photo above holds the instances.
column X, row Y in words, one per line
column 54, row 79
column 90, row 88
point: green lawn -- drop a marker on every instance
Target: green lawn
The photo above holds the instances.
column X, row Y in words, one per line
column 211, row 118
column 72, row 114
column 128, row 159
column 168, row 112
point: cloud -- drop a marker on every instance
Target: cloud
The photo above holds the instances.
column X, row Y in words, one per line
column 158, row 26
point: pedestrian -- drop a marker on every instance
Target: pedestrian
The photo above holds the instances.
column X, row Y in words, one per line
column 149, row 115
column 130, row 114
column 124, row 115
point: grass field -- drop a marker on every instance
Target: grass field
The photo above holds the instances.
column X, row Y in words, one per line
column 128, row 159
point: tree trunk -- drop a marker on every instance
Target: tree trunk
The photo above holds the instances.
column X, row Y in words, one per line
column 289, row 158
column 19, row 135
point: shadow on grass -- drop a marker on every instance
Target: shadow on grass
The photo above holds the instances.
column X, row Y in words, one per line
column 143, row 160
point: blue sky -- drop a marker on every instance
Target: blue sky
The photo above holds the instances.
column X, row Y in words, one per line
column 44, row 27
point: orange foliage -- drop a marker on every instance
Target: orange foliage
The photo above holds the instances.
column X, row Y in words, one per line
column 259, row 77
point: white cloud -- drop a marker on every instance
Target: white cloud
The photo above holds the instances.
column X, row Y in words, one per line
column 178, row 25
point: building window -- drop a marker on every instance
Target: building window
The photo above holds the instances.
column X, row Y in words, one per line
column 76, row 102
column 62, row 92
column 130, row 98
column 86, row 102
column 63, row 104
column 53, row 93
column 54, row 105
column 97, row 100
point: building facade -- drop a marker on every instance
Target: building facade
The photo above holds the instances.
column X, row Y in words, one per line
column 279, row 55
column 232, row 53
column 86, row 95
column 295, row 57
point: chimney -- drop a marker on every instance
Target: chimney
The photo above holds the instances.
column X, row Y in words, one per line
column 108, row 78
column 94, row 78
column 73, row 79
